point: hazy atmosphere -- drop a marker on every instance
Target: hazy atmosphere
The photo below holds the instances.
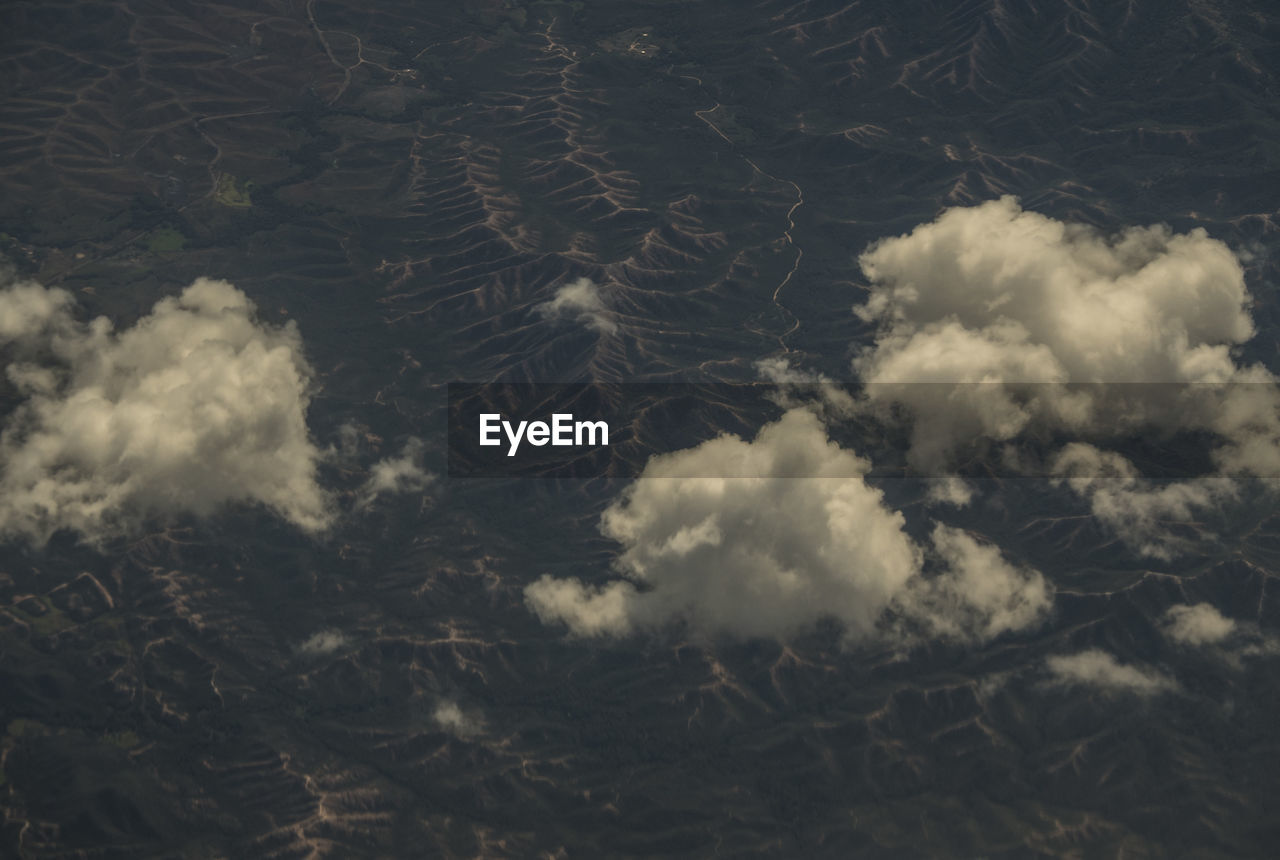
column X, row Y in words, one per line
column 919, row 495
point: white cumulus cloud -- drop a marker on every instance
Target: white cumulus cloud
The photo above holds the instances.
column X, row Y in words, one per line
column 324, row 642
column 996, row 325
column 196, row 406
column 950, row 490
column 450, row 717
column 1024, row 309
column 781, row 533
column 1198, row 624
column 402, row 474
column 580, row 300
column 831, row 397
column 1201, row 625
column 978, row 596
column 1141, row 512
column 28, row 311
column 1098, row 669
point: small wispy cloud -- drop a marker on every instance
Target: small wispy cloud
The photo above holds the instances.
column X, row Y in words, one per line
column 1097, row 669
column 580, row 300
column 450, row 717
column 1198, row 624
column 402, row 474
column 831, row 396
column 949, row 490
column 322, row 643
column 1140, row 512
column 1201, row 625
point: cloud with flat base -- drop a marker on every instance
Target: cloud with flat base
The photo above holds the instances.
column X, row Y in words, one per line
column 781, row 534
